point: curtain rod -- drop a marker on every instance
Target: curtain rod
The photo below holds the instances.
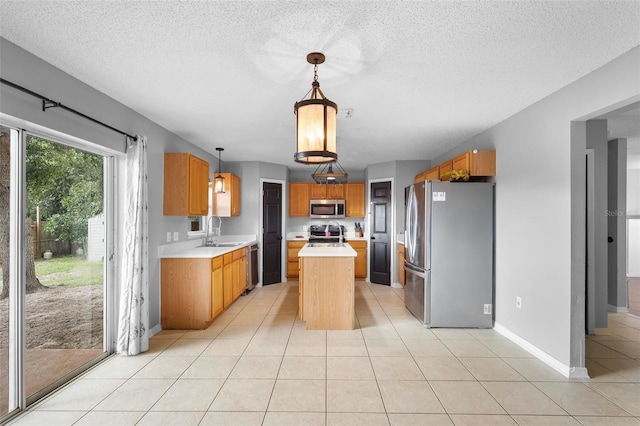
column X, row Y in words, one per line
column 48, row 103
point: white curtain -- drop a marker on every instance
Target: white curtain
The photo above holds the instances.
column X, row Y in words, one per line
column 133, row 324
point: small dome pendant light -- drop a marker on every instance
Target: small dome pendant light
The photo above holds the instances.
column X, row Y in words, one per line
column 315, row 122
column 218, row 182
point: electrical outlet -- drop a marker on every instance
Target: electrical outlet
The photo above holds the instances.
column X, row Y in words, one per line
column 518, row 302
column 487, row 308
column 176, row 235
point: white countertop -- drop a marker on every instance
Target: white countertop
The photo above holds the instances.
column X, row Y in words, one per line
column 326, row 251
column 192, row 249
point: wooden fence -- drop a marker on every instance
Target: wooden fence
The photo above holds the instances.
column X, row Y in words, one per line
column 43, row 241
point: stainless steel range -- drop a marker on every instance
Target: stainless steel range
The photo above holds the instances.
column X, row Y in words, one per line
column 318, row 233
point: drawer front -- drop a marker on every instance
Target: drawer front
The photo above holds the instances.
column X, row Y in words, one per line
column 216, row 263
column 358, row 244
column 238, row 254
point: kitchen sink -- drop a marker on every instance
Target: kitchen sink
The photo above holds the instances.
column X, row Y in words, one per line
column 224, row 244
column 326, row 245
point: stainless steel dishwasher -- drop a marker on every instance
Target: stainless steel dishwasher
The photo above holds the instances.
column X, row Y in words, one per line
column 252, row 267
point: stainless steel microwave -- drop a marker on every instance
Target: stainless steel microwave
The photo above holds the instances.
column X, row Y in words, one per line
column 327, row 209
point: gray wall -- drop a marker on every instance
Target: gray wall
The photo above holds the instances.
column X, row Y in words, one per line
column 534, row 195
column 617, row 223
column 597, row 140
column 403, row 173
column 23, row 68
column 633, row 191
column 250, row 173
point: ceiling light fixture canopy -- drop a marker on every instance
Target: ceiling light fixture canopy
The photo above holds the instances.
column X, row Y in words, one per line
column 315, row 122
column 330, row 173
column 218, row 182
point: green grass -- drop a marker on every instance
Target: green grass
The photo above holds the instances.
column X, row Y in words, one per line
column 71, row 271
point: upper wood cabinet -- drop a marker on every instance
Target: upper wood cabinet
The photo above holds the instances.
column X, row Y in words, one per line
column 479, row 163
column 227, row 204
column 445, row 167
column 354, row 199
column 300, row 193
column 323, row 191
column 335, row 192
column 476, row 163
column 432, row 174
column 299, row 199
column 186, row 183
column 317, row 191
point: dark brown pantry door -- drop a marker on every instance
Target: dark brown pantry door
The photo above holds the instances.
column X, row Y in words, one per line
column 380, row 244
column 272, row 233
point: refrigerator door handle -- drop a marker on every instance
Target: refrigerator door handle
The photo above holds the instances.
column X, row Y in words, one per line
column 416, row 271
column 427, row 231
column 408, row 238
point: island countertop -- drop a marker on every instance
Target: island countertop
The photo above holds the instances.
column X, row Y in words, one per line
column 327, row 250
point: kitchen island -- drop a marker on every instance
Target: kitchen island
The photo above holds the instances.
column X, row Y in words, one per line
column 327, row 286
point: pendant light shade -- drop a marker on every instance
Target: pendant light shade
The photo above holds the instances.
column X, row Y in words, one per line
column 218, row 181
column 316, row 123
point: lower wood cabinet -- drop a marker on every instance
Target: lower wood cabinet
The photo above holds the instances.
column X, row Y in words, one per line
column 183, row 281
column 360, row 262
column 217, row 289
column 239, row 273
column 194, row 291
column 227, row 279
column 400, row 262
column 293, row 267
column 300, row 291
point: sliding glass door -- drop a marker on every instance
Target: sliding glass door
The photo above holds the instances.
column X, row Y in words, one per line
column 61, row 277
column 8, row 403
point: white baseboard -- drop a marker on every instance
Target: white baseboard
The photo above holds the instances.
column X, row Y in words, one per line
column 561, row 368
column 155, row 330
column 396, row 285
column 618, row 309
column 579, row 373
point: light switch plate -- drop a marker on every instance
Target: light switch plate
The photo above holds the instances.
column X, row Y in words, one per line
column 176, row 235
column 168, row 237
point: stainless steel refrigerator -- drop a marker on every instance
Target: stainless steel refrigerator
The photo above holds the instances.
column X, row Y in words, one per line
column 449, row 250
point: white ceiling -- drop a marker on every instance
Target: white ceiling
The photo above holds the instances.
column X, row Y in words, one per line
column 418, row 77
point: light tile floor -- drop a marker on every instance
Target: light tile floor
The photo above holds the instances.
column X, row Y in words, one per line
column 258, row 365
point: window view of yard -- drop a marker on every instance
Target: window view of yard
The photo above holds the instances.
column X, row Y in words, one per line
column 67, row 313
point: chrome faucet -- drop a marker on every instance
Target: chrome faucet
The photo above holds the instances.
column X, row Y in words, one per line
column 208, row 239
column 326, row 229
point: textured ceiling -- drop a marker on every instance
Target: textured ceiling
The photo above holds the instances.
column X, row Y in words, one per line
column 417, row 77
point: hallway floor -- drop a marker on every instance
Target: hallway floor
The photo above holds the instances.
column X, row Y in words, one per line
column 258, row 365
